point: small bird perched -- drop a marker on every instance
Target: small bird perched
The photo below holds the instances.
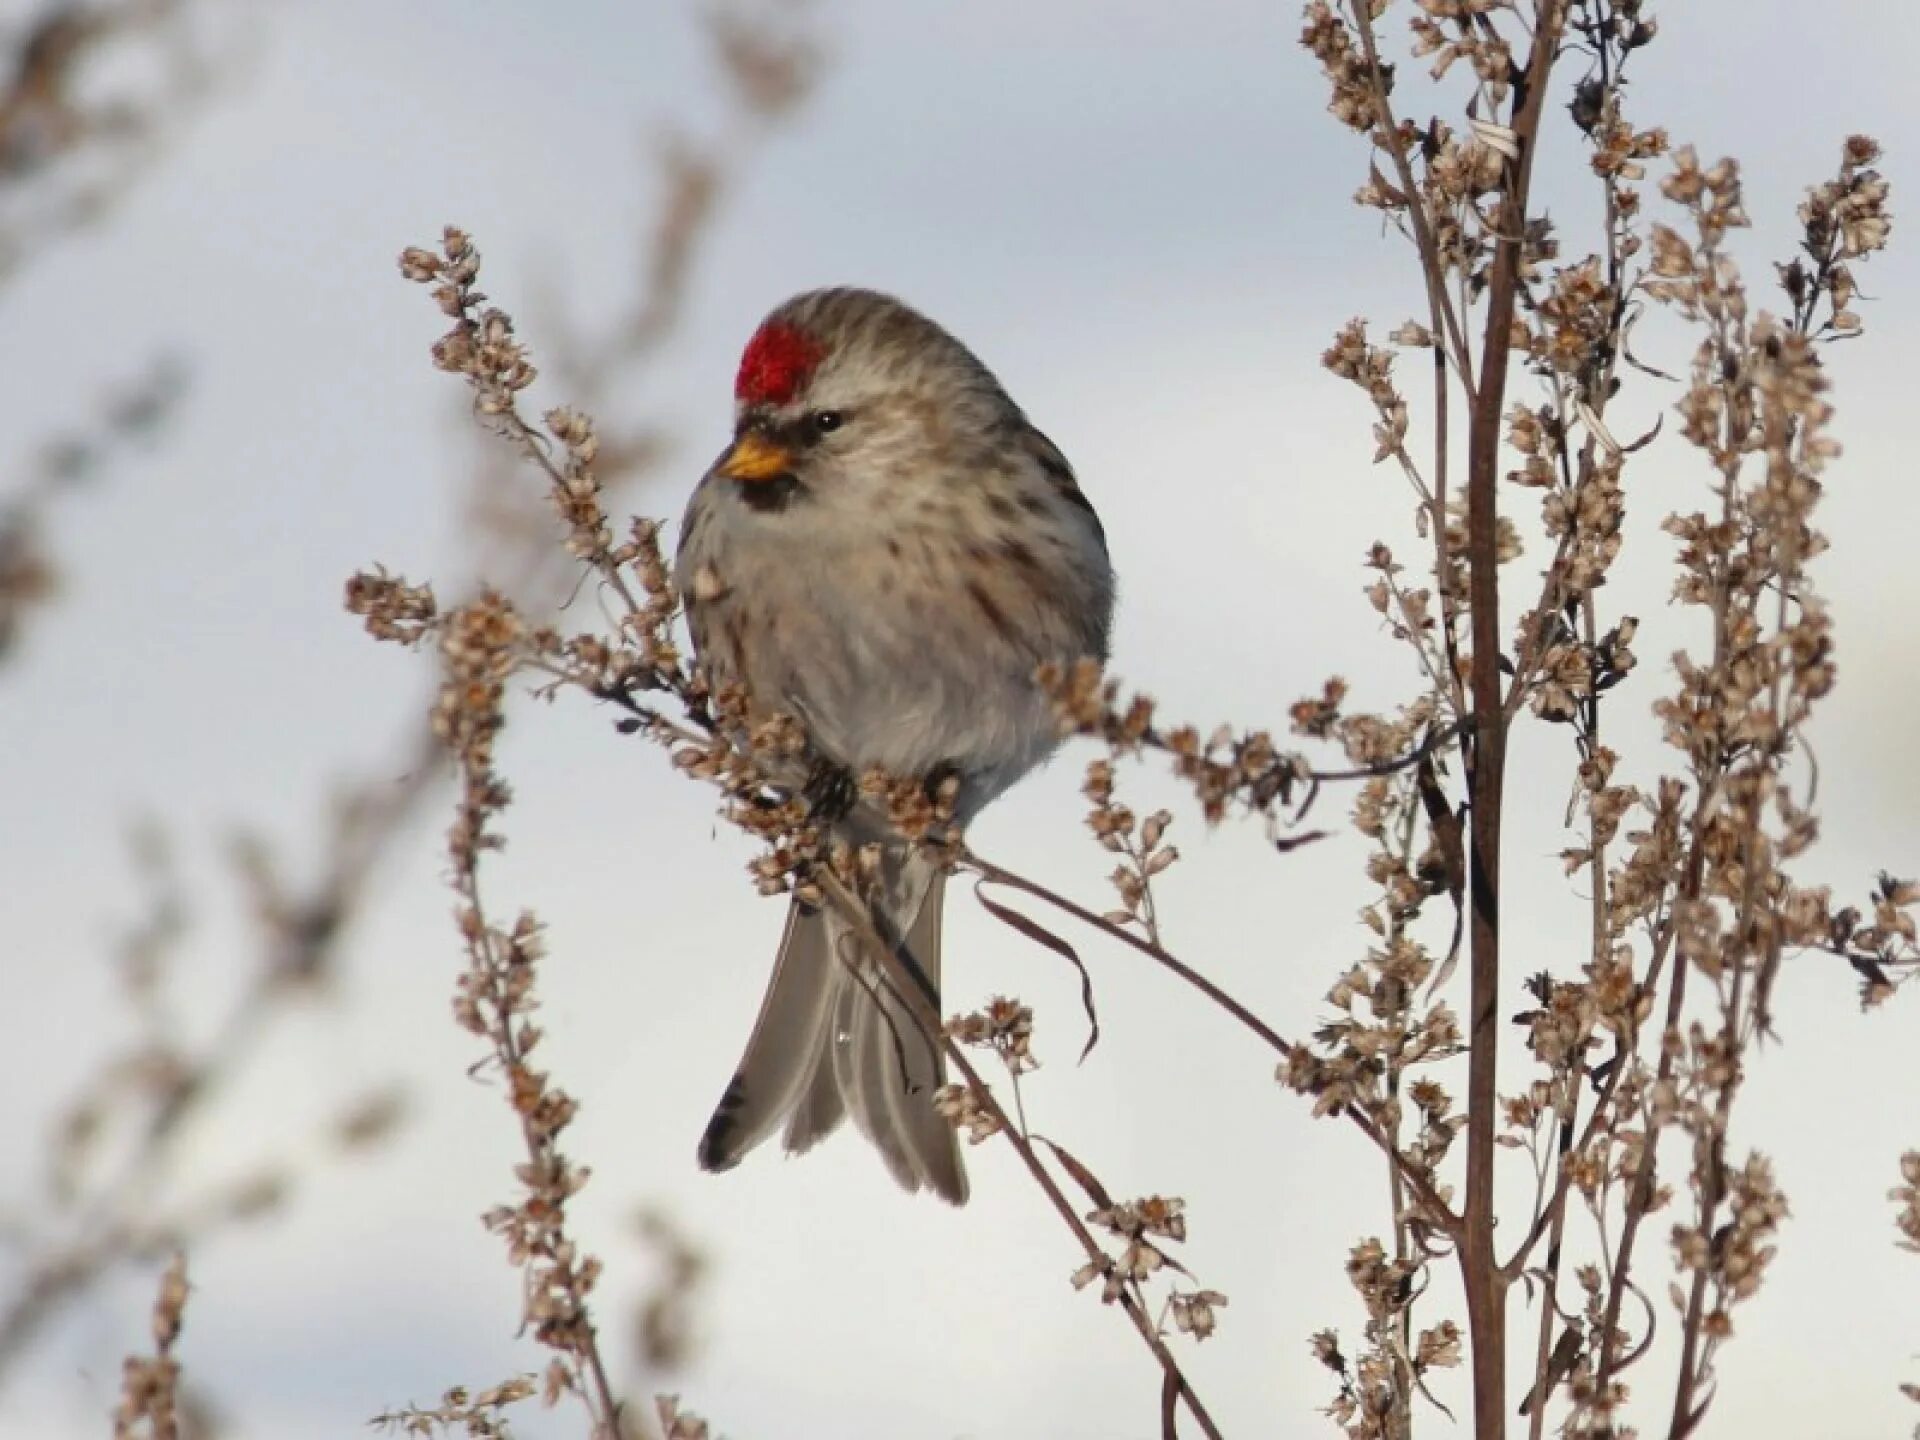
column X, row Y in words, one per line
column 888, row 551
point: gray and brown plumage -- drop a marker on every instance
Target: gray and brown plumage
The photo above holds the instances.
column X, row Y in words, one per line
column 888, row 550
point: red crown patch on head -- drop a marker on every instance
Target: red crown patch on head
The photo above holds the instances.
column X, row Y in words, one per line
column 778, row 361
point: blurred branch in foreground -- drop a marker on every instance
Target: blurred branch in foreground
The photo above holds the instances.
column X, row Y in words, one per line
column 108, row 1196
column 29, row 575
column 91, row 92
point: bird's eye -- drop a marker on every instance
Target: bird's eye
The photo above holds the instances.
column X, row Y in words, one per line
column 825, row 422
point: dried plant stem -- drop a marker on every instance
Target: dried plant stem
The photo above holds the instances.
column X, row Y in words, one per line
column 1546, row 1219
column 1734, row 1037
column 1442, row 545
column 1556, row 1213
column 495, row 1000
column 1640, row 1198
column 856, row 913
column 510, row 1050
column 1404, row 1381
column 1447, row 322
column 1485, row 1285
column 1557, row 1206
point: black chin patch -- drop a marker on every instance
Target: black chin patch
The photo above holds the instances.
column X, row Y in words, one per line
column 770, row 496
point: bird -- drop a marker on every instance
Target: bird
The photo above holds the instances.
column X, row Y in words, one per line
column 888, row 551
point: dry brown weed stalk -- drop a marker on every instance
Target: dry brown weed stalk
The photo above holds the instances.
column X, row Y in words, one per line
column 1639, row 1047
column 68, row 154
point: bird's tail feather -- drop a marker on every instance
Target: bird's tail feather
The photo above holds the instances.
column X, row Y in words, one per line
column 793, row 1024
column 835, row 1038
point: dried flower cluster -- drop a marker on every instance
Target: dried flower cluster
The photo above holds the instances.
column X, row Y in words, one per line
column 478, row 1414
column 150, row 1385
column 678, row 1424
column 1139, row 844
column 1004, row 1027
column 968, row 1109
column 1907, row 1193
column 1330, row 40
column 1144, row 1227
column 1228, row 772
column 1377, row 1386
column 1140, row 1259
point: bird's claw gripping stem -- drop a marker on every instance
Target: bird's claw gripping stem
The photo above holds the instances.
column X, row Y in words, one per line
column 830, row 791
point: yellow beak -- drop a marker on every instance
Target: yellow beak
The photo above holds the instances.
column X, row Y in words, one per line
column 754, row 457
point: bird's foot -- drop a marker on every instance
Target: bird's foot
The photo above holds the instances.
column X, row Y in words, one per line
column 830, row 791
column 943, row 781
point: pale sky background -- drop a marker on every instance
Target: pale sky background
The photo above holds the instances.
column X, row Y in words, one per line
column 1139, row 218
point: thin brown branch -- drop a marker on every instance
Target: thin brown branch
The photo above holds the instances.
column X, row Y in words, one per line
column 1485, row 1287
column 1387, row 137
column 1544, row 1220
